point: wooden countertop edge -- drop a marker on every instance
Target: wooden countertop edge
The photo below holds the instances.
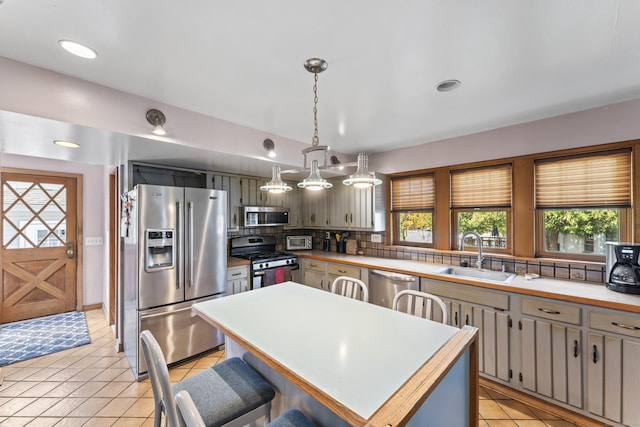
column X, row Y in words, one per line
column 531, row 292
column 342, row 411
column 399, row 409
column 236, row 262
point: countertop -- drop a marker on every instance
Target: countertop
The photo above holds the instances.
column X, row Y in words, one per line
column 331, row 342
column 236, row 262
column 573, row 291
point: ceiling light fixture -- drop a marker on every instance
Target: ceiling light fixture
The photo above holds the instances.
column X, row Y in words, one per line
column 276, row 185
column 448, row 85
column 363, row 178
column 78, row 49
column 269, row 147
column 314, row 181
column 66, row 144
column 157, row 119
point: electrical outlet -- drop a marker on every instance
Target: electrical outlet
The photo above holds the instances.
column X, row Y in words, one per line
column 376, row 238
column 93, row 241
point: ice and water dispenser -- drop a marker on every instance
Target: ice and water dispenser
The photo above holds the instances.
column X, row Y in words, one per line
column 159, row 250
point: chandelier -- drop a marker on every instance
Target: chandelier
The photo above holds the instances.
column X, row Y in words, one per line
column 362, row 178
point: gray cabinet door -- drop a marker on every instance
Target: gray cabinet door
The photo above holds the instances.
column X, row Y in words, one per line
column 551, row 362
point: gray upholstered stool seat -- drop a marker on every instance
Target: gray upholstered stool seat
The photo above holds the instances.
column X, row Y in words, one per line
column 192, row 418
column 225, row 391
column 291, row 418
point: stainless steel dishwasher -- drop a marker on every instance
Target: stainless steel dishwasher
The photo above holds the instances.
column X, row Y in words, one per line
column 384, row 285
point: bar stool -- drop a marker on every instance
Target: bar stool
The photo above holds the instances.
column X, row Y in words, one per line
column 229, row 394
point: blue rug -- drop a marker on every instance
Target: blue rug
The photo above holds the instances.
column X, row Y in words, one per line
column 32, row 338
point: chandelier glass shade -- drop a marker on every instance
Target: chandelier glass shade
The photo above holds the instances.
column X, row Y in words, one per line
column 314, row 181
column 276, row 185
column 362, row 178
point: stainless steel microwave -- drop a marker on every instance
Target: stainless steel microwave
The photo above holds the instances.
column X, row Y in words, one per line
column 262, row 216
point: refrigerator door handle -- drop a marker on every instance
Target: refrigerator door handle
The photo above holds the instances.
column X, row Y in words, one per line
column 189, row 245
column 179, row 230
column 165, row 313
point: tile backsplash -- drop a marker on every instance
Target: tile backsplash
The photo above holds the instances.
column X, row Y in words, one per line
column 590, row 272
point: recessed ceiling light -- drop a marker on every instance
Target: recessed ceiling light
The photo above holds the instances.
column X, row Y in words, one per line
column 67, row 144
column 448, row 85
column 78, row 49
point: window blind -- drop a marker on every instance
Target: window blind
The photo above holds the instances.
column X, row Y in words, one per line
column 412, row 193
column 483, row 187
column 588, row 181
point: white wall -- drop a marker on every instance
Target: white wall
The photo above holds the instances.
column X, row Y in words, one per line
column 612, row 123
column 95, row 218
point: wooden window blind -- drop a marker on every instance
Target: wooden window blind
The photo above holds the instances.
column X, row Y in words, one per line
column 482, row 187
column 412, row 193
column 581, row 182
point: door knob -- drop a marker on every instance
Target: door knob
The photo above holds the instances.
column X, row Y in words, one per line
column 70, row 250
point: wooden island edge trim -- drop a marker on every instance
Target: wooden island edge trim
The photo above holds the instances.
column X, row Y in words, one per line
column 400, row 407
column 339, row 409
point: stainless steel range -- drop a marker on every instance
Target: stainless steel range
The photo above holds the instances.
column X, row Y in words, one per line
column 268, row 266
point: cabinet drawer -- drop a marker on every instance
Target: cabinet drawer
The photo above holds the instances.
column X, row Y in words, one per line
column 235, row 273
column 551, row 310
column 310, row 264
column 616, row 322
column 466, row 293
column 343, row 270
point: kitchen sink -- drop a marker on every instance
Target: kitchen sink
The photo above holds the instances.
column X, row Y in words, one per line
column 475, row 274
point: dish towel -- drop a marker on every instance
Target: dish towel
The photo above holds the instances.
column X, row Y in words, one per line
column 279, row 275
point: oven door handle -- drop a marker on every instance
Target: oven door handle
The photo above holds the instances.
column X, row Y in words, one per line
column 259, row 273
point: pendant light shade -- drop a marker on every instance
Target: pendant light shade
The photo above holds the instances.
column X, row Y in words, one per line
column 362, row 178
column 314, row 181
column 276, row 185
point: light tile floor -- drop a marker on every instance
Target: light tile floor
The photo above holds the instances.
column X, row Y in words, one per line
column 93, row 385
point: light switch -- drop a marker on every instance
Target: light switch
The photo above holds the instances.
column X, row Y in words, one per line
column 376, row 238
column 93, row 241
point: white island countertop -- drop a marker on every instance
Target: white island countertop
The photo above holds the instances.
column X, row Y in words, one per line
column 350, row 355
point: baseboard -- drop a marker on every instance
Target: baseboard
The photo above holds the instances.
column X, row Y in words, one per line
column 543, row 405
column 92, row 307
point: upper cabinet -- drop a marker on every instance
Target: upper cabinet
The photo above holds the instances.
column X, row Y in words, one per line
column 345, row 207
column 230, row 184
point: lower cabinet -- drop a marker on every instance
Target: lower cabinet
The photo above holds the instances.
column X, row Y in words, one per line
column 237, row 279
column 551, row 352
column 491, row 318
column 613, row 366
column 321, row 274
column 314, row 274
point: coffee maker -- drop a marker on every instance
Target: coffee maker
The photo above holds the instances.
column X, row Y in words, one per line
column 622, row 268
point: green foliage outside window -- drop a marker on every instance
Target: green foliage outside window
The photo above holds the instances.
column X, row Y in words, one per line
column 581, row 223
column 415, row 227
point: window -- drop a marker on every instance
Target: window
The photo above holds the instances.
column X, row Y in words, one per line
column 582, row 202
column 412, row 203
column 481, row 203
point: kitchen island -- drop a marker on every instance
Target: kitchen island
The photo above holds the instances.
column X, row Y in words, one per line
column 344, row 362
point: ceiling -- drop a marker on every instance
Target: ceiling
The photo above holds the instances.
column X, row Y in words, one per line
column 242, row 61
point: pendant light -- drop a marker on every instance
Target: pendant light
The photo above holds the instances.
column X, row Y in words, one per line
column 314, row 181
column 362, row 178
column 276, row 185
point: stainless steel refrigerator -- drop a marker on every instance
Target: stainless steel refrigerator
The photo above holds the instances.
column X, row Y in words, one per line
column 174, row 256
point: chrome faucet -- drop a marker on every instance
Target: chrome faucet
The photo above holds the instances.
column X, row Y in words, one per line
column 479, row 239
